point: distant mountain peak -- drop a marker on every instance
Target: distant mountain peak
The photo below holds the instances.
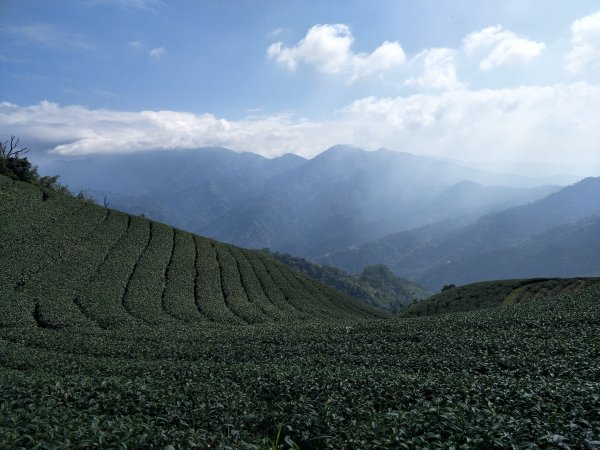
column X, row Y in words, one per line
column 342, row 148
column 291, row 157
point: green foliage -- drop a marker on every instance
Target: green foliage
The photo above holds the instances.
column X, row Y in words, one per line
column 15, row 165
column 111, row 270
column 490, row 294
column 376, row 286
column 447, row 287
column 525, row 376
column 96, row 352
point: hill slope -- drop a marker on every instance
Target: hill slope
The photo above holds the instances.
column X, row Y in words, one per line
column 568, row 250
column 106, row 341
column 490, row 294
column 376, row 286
column 67, row 262
column 544, row 238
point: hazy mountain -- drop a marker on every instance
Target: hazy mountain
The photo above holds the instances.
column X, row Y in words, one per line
column 185, row 188
column 570, row 250
column 516, row 242
column 345, row 196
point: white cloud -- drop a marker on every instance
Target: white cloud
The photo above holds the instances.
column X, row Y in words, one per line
column 439, row 70
column 504, row 47
column 136, row 45
column 76, row 130
column 328, row 49
column 586, row 43
column 157, row 53
column 554, row 123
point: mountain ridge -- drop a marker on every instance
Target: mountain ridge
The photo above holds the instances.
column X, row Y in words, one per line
column 468, row 247
column 344, row 196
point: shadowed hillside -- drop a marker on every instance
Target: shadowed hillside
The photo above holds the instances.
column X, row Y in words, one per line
column 376, row 286
column 490, row 294
column 557, row 236
column 67, row 262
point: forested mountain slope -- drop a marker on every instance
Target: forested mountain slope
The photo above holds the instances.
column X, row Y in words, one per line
column 376, row 286
column 491, row 294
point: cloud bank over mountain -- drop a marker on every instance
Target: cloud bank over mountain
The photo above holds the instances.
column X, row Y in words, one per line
column 553, row 123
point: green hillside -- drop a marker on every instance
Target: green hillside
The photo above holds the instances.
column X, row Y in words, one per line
column 376, row 286
column 118, row 332
column 69, row 262
column 490, row 294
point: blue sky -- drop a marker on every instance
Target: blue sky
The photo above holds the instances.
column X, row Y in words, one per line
column 448, row 78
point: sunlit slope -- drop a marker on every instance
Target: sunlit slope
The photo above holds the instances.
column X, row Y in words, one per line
column 68, row 262
column 490, row 294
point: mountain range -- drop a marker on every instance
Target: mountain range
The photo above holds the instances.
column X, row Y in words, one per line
column 558, row 235
column 343, row 197
column 430, row 221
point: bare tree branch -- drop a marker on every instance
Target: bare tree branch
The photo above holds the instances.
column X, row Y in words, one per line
column 13, row 151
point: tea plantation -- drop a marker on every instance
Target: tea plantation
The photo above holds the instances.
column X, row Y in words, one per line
column 490, row 294
column 117, row 332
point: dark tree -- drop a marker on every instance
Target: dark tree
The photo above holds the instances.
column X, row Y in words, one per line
column 448, row 287
column 15, row 165
column 13, row 162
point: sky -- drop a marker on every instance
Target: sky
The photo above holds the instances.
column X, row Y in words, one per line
column 495, row 81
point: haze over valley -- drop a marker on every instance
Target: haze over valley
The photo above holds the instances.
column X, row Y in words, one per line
column 430, row 221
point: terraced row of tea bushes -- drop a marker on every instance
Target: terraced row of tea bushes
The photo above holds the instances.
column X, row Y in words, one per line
column 272, row 289
column 29, row 213
column 21, row 238
column 102, row 298
column 235, row 295
column 209, row 292
column 254, row 288
column 491, row 294
column 179, row 297
column 31, row 268
column 56, row 303
column 80, row 265
column 144, row 291
column 522, row 376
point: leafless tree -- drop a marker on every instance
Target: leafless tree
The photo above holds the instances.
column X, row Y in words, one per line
column 12, row 150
